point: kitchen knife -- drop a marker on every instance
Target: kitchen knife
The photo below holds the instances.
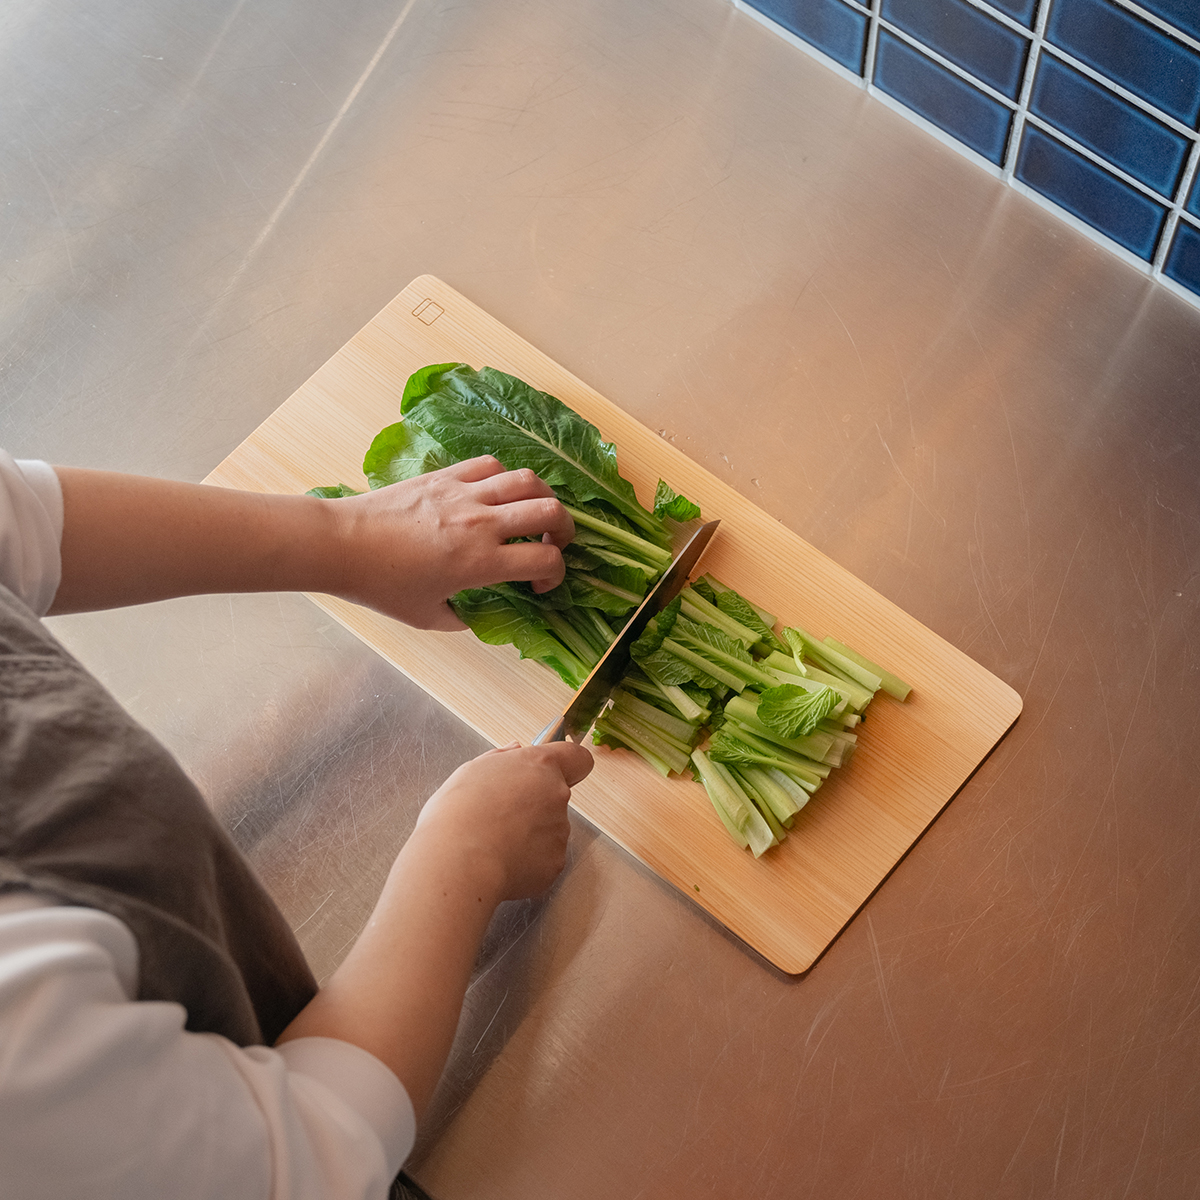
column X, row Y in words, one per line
column 585, row 706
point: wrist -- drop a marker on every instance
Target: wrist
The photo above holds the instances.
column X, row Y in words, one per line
column 311, row 545
column 459, row 857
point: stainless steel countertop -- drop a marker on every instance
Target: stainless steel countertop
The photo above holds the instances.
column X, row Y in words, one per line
column 982, row 414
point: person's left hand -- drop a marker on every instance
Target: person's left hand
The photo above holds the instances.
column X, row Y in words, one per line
column 405, row 548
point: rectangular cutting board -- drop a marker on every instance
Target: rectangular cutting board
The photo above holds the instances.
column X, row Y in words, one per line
column 912, row 757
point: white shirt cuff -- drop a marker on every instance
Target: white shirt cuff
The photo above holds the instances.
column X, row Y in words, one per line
column 362, row 1082
column 43, row 479
column 31, row 524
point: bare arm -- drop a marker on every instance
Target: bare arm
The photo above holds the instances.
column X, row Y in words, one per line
column 496, row 830
column 403, row 549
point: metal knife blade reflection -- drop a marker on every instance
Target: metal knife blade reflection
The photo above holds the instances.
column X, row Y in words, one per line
column 585, row 706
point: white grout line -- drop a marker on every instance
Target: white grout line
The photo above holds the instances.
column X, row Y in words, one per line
column 872, row 41
column 1041, row 16
column 1003, row 18
column 1190, row 172
column 1181, row 194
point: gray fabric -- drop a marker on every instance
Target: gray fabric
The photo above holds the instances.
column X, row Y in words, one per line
column 94, row 812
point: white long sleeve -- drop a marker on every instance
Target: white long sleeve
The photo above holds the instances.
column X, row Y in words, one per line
column 108, row 1097
column 31, row 524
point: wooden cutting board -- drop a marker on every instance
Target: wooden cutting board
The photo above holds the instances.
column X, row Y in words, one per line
column 912, row 757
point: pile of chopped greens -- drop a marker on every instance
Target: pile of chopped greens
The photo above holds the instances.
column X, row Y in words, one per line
column 760, row 718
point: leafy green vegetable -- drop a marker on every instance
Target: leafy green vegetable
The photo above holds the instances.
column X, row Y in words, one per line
column 497, row 621
column 423, row 381
column 657, row 629
column 613, row 590
column 699, row 609
column 488, row 412
column 708, row 665
column 830, row 660
column 669, row 503
column 795, row 711
column 892, row 684
column 333, row 491
column 744, row 613
column 403, row 451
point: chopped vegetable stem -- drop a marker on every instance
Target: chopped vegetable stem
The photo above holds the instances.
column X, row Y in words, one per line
column 892, row 684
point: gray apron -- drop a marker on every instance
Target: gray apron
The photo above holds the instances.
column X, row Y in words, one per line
column 94, row 812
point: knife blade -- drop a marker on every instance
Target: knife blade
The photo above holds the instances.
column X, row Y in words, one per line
column 577, row 718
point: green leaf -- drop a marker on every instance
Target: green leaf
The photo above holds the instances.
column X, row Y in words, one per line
column 333, row 491
column 727, row 747
column 496, row 621
column 489, row 412
column 491, row 617
column 613, row 590
column 598, row 550
column 663, row 667
column 744, row 613
column 669, row 503
column 604, row 513
column 794, row 711
column 526, row 600
column 422, row 382
column 698, row 695
column 403, row 451
column 658, row 628
column 582, row 558
column 701, row 635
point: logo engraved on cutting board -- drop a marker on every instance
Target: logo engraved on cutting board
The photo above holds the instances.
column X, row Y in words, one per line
column 427, row 311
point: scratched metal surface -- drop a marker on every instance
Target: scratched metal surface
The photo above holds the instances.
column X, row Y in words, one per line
column 983, row 415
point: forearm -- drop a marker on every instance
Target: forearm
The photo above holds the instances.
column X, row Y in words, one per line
column 399, row 992
column 403, row 550
column 497, row 829
column 128, row 539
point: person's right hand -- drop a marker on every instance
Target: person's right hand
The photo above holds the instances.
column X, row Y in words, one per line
column 495, row 830
column 506, row 813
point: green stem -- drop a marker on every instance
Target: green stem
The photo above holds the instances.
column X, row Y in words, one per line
column 622, row 537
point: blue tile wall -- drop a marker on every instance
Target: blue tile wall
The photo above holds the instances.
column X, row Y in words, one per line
column 1183, row 14
column 1099, row 119
column 965, row 35
column 942, row 97
column 1183, row 263
column 835, row 28
column 1130, row 218
column 1092, row 104
column 1130, row 52
column 1019, row 10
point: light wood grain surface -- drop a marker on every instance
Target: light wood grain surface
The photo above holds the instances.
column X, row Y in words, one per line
column 911, row 759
